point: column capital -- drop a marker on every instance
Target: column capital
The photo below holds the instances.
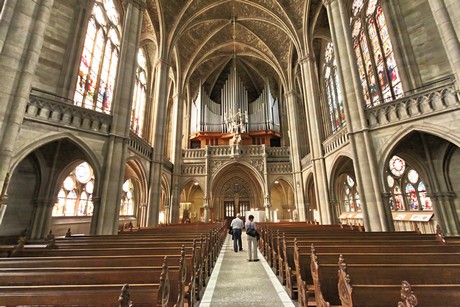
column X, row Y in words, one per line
column 179, row 96
column 139, row 4
column 327, row 2
column 309, row 57
column 161, row 62
column 290, row 93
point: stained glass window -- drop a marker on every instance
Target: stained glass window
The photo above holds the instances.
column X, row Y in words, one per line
column 407, row 189
column 374, row 53
column 99, row 59
column 333, row 90
column 350, row 195
column 397, row 166
column 75, row 194
column 140, row 94
column 127, row 198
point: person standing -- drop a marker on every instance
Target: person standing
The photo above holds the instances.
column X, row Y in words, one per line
column 237, row 226
column 251, row 228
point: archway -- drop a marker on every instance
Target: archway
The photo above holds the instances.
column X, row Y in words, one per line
column 344, row 198
column 191, row 204
column 421, row 176
column 311, row 210
column 36, row 187
column 133, row 196
column 282, row 201
column 236, row 189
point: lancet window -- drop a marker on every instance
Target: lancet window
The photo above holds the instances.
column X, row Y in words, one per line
column 350, row 196
column 127, row 198
column 408, row 191
column 98, row 65
column 378, row 71
column 75, row 194
column 140, row 94
column 333, row 91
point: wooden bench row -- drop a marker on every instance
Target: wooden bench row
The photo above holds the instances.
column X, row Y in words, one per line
column 160, row 268
column 381, row 263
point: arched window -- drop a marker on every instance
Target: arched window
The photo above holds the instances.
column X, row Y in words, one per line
column 374, row 53
column 140, row 94
column 333, row 89
column 350, row 196
column 127, row 198
column 407, row 189
column 75, row 194
column 99, row 59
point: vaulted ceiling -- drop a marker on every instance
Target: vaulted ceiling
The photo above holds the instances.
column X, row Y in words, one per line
column 199, row 38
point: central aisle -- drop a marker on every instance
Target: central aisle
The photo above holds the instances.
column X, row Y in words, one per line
column 236, row 282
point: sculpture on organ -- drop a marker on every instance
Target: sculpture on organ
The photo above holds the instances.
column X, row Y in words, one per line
column 236, row 125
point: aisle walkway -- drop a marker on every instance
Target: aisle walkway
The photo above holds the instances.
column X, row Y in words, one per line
column 236, row 282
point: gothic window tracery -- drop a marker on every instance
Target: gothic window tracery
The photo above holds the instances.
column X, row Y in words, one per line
column 408, row 191
column 127, row 199
column 140, row 94
column 99, row 59
column 75, row 194
column 377, row 67
column 333, row 89
column 350, row 196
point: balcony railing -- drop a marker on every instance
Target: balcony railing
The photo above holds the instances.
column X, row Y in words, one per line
column 337, row 140
column 423, row 104
column 55, row 110
column 140, row 146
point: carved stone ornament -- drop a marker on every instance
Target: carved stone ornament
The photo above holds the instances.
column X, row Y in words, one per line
column 258, row 165
column 408, row 299
column 216, row 165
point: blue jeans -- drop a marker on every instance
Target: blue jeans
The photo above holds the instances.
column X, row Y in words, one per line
column 237, row 240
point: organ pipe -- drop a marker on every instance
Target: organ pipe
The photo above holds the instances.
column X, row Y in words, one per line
column 210, row 116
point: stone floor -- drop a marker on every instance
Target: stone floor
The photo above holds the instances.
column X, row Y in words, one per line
column 236, row 282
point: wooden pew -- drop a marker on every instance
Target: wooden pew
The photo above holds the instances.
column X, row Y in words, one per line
column 334, row 242
column 436, row 292
column 128, row 247
column 151, row 294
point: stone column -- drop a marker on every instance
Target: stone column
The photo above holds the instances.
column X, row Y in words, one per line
column 108, row 212
column 178, row 115
column 142, row 213
column 37, row 218
column 376, row 215
column 7, row 11
column 291, row 103
column 312, row 109
column 206, row 208
column 207, row 183
column 443, row 202
column 71, row 65
column 446, row 29
column 23, row 40
column 267, row 204
column 160, row 95
column 445, row 212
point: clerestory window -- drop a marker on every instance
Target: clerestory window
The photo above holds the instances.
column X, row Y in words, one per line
column 378, row 71
column 99, row 59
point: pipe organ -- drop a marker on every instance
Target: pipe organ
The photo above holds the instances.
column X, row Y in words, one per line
column 235, row 114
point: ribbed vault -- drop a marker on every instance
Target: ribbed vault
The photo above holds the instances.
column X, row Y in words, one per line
column 265, row 36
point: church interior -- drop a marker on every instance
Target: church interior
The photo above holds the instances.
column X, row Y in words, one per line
column 123, row 115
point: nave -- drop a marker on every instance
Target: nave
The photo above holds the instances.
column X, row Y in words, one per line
column 237, row 282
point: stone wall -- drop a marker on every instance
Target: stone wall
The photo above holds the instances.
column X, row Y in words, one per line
column 425, row 41
column 57, row 35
